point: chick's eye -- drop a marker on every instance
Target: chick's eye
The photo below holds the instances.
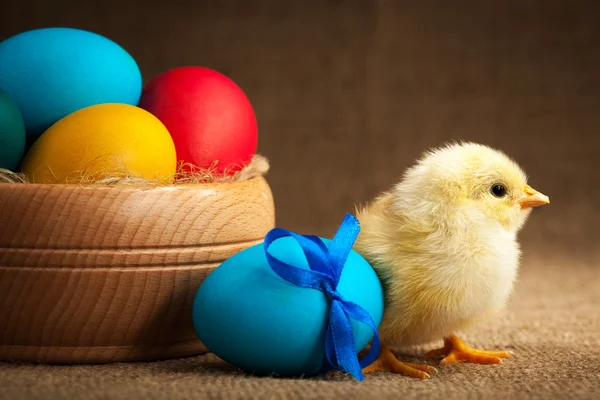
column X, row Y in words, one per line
column 498, row 190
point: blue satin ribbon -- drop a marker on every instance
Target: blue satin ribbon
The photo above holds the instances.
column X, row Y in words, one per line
column 326, row 267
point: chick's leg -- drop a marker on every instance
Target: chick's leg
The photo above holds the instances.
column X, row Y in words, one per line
column 387, row 361
column 455, row 350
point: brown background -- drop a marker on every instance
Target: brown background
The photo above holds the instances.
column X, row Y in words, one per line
column 347, row 95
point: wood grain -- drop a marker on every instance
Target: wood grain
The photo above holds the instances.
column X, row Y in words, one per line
column 94, row 274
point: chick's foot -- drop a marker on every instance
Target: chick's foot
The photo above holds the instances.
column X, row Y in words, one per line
column 387, row 361
column 455, row 350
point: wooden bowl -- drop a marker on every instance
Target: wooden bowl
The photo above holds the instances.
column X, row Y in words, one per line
column 95, row 274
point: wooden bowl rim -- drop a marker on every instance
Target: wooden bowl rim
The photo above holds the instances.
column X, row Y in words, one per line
column 133, row 187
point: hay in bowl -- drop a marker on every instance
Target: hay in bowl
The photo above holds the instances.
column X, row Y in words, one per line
column 107, row 270
column 119, row 174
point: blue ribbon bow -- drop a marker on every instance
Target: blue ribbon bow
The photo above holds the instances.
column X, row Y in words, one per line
column 326, row 267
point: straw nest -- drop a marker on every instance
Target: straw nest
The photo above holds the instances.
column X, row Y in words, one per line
column 119, row 175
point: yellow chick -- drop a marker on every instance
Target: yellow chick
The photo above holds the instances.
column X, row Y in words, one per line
column 444, row 244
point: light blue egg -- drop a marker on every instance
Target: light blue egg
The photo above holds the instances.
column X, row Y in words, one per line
column 12, row 133
column 250, row 317
column 52, row 72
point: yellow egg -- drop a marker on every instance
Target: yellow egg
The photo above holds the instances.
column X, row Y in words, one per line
column 102, row 140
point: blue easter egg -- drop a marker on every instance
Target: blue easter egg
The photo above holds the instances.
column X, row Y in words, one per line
column 12, row 133
column 252, row 318
column 53, row 72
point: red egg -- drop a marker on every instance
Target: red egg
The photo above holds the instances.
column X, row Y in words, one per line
column 208, row 115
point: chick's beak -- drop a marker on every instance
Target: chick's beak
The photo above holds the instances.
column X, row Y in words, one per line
column 533, row 198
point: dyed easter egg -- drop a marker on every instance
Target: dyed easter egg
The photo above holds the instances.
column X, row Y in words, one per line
column 252, row 318
column 209, row 116
column 52, row 72
column 102, row 140
column 12, row 133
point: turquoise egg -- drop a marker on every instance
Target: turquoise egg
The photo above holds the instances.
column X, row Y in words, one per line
column 12, row 133
column 252, row 318
column 52, row 72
